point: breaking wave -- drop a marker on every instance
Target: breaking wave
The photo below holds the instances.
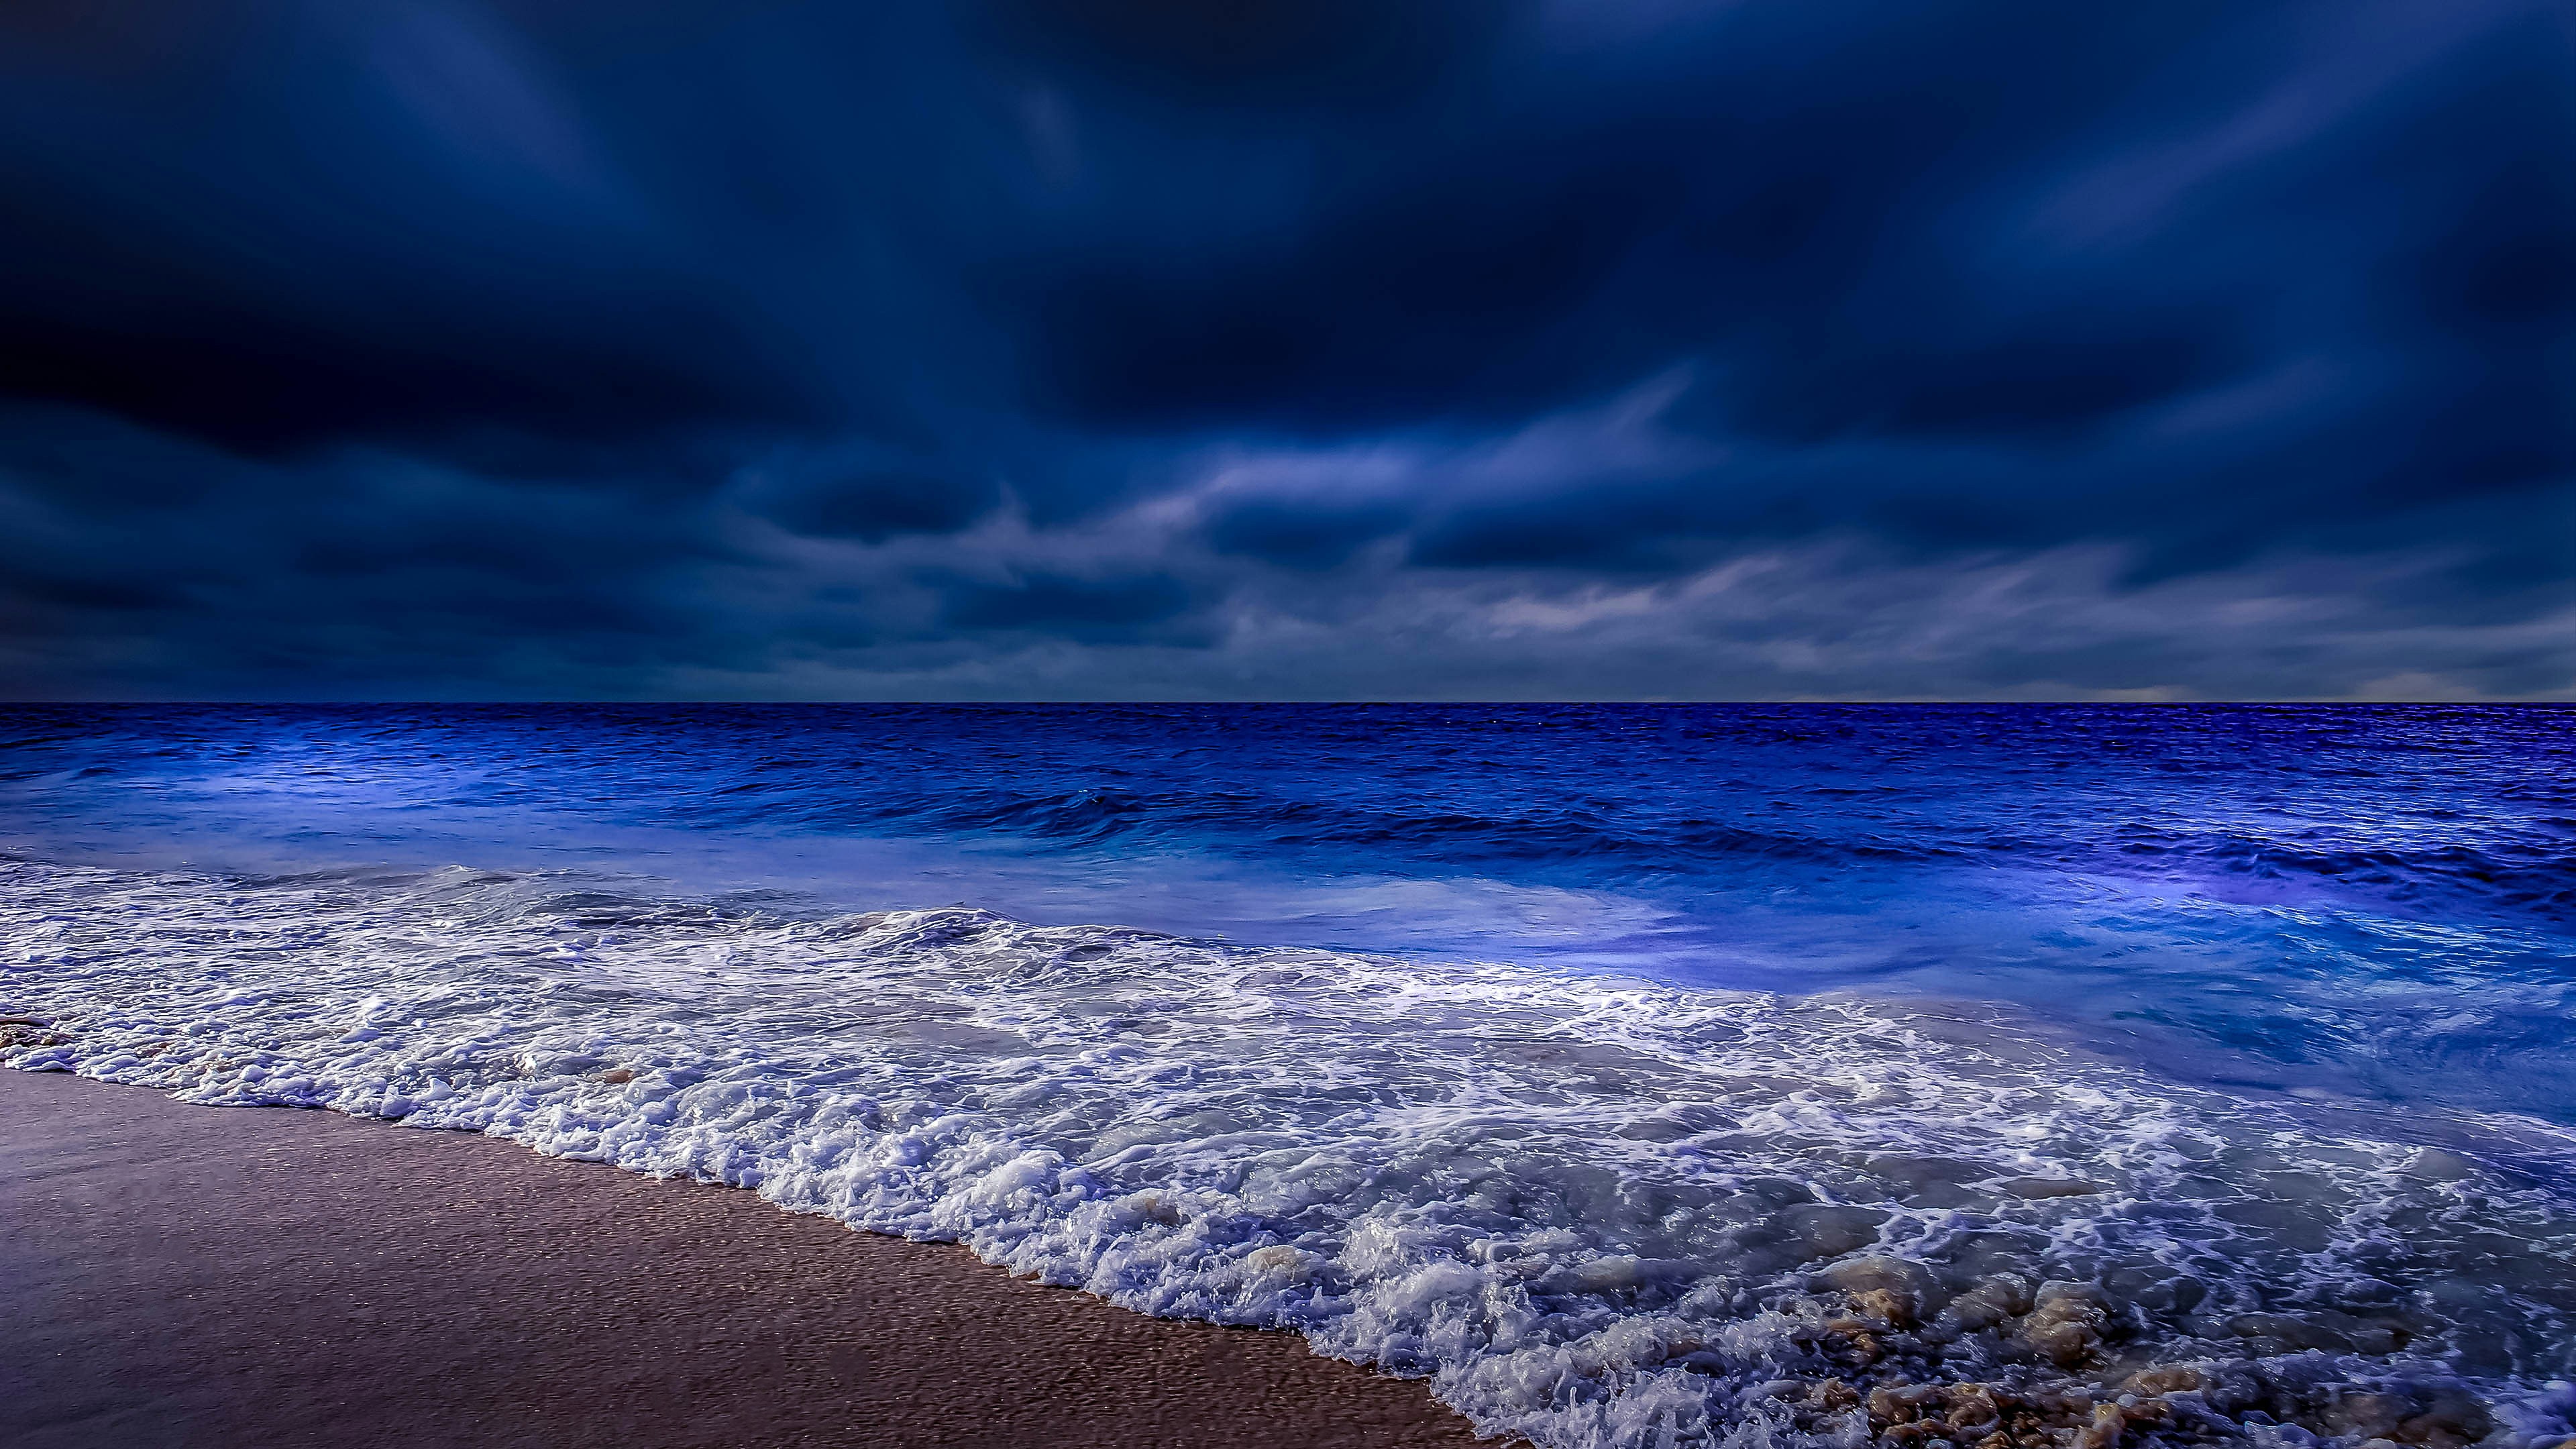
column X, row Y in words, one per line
column 1594, row 1211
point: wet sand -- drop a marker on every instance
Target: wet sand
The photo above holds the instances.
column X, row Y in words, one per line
column 183, row 1275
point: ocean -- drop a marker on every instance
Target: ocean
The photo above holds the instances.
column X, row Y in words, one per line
column 1949, row 1077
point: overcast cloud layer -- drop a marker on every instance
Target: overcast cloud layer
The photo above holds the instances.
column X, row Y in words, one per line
column 1318, row 348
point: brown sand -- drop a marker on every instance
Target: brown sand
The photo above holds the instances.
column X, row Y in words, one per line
column 191, row 1275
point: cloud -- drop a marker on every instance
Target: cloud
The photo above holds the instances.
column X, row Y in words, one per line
column 374, row 574
column 1088, row 346
column 873, row 503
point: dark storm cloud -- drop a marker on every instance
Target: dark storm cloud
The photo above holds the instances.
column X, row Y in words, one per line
column 250, row 244
column 1802, row 189
column 1079, row 608
column 1296, row 55
column 1308, row 535
column 875, row 504
column 1075, row 346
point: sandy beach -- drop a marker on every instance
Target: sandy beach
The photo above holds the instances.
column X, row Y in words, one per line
column 192, row 1275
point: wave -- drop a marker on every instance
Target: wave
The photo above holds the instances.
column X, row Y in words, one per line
column 2464, row 812
column 1593, row 1212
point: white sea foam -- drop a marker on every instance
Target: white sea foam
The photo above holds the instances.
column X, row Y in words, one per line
column 1593, row 1212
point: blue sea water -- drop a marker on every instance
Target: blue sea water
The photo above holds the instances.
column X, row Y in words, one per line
column 1596, row 1060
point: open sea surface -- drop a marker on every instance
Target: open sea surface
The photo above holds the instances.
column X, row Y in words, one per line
column 1939, row 1077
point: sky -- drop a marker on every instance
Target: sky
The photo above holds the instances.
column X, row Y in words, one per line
column 1254, row 349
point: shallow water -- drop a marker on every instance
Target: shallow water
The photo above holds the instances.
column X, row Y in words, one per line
column 1642, row 1074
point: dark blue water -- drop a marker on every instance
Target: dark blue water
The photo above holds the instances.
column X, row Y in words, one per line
column 1605, row 1064
column 2373, row 903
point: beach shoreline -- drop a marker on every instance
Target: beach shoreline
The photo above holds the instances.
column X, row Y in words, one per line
column 181, row 1274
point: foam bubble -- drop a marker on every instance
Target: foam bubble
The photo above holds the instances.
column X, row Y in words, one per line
column 1593, row 1212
